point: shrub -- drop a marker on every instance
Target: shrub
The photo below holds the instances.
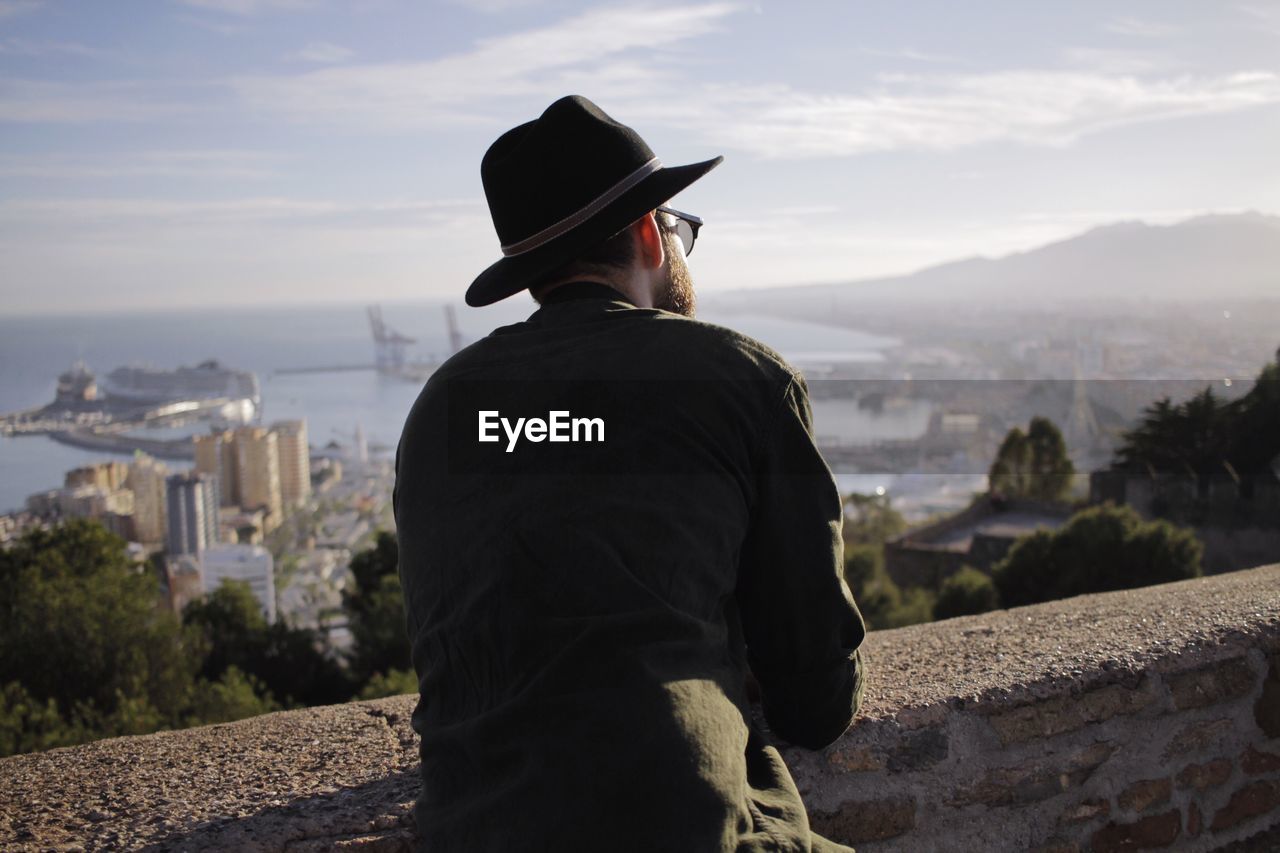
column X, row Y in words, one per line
column 966, row 592
column 1099, row 549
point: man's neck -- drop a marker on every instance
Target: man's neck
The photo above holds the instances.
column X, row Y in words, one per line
column 631, row 289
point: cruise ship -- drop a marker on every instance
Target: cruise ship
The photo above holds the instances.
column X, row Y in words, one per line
column 206, row 382
column 76, row 386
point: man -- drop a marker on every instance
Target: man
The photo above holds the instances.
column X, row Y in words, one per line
column 606, row 515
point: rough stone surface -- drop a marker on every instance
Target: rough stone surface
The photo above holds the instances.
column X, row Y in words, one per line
column 1057, row 847
column 1141, row 796
column 1207, row 775
column 281, row 781
column 867, row 820
column 1254, row 799
column 1195, row 820
column 1046, row 719
column 1086, row 811
column 896, row 750
column 344, row 776
column 1267, row 841
column 1197, row 736
column 1256, row 762
column 1267, row 709
column 858, row 759
column 1209, row 685
column 919, row 750
column 1150, row 832
column 1010, row 657
column 1034, row 780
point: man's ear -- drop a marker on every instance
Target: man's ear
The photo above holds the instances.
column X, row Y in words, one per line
column 649, row 242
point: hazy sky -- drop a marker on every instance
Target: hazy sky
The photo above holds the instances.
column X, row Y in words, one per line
column 174, row 153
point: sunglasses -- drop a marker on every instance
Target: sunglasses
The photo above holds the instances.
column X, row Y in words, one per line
column 686, row 227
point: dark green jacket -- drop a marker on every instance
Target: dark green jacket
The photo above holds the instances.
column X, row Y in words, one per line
column 582, row 615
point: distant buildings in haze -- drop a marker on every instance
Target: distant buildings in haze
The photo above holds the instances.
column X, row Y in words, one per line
column 251, row 564
column 192, row 509
column 259, row 469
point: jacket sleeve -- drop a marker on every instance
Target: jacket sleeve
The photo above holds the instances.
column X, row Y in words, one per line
column 801, row 625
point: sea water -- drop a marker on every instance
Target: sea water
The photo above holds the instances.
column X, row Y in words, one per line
column 34, row 350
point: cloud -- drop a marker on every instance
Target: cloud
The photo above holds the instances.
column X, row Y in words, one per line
column 247, row 8
column 13, row 8
column 609, row 54
column 945, row 112
column 1140, row 28
column 144, row 215
column 155, row 252
column 589, row 50
column 221, row 27
column 26, row 47
column 217, row 164
column 1265, row 18
column 323, row 51
column 1109, row 61
column 48, row 101
column 493, row 7
column 908, row 54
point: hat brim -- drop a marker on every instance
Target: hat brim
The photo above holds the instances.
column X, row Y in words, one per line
column 513, row 274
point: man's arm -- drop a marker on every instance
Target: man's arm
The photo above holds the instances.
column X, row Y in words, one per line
column 801, row 625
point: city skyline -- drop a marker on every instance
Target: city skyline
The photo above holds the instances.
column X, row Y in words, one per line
column 228, row 152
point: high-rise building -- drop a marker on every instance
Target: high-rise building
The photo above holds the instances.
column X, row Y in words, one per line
column 112, row 507
column 108, row 476
column 146, row 479
column 258, row 470
column 216, row 456
column 249, row 563
column 191, row 504
column 295, row 462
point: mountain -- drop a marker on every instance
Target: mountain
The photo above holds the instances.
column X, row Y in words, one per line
column 1216, row 256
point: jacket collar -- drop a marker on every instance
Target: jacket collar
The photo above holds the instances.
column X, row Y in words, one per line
column 583, row 290
column 579, row 301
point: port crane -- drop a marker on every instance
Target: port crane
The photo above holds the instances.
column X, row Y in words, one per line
column 388, row 343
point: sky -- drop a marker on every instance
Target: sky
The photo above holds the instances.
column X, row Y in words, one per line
column 173, row 154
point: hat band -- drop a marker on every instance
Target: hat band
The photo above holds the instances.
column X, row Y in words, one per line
column 575, row 219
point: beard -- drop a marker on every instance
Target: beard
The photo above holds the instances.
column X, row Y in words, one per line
column 676, row 294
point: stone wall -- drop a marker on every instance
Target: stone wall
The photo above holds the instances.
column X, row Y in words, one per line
column 1140, row 719
column 1134, row 720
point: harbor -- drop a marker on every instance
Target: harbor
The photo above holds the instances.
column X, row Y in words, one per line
column 107, row 417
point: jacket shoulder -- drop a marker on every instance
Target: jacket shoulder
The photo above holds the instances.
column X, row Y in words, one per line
column 733, row 347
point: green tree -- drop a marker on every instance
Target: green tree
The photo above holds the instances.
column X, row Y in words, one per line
column 286, row 662
column 375, row 611
column 882, row 603
column 862, row 564
column 1011, row 470
column 1051, row 468
column 1199, row 435
column 397, row 682
column 966, row 592
column 1254, row 437
column 28, row 724
column 1099, row 549
column 231, row 627
column 81, row 633
column 915, row 608
column 871, row 519
column 1033, row 464
column 234, row 696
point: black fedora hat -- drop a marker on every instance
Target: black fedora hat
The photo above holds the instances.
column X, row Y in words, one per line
column 562, row 183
